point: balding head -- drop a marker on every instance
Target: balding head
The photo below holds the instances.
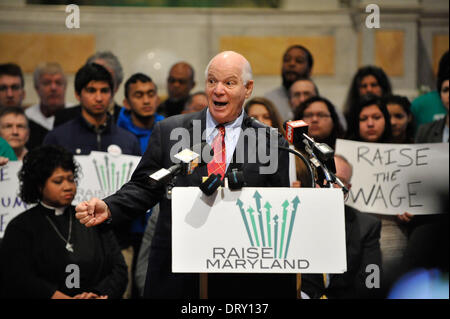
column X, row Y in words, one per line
column 233, row 57
column 344, row 170
column 180, row 81
column 228, row 83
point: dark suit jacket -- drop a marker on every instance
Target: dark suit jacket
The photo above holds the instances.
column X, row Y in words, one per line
column 362, row 236
column 37, row 135
column 431, row 132
column 138, row 195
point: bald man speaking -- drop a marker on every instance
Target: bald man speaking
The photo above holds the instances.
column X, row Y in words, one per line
column 228, row 84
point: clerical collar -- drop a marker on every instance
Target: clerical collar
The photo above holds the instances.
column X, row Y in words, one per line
column 58, row 210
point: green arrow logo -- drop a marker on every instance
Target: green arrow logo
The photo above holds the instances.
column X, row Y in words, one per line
column 269, row 235
column 283, row 225
column 257, row 198
column 241, row 208
column 251, row 211
column 295, row 202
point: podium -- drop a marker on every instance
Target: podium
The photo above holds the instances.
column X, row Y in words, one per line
column 257, row 230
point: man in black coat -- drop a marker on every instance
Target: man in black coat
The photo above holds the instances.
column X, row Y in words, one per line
column 229, row 82
column 362, row 239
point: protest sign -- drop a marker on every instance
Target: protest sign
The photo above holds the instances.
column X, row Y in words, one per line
column 10, row 203
column 395, row 178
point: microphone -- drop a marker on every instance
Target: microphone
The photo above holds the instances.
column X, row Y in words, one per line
column 294, row 133
column 235, row 179
column 212, row 183
column 297, row 134
column 252, row 122
column 190, row 160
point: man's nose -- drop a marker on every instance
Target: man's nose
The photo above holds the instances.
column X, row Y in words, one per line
column 146, row 99
column 9, row 91
column 219, row 88
column 98, row 96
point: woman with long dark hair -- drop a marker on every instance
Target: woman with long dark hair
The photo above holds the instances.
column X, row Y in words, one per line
column 323, row 126
column 264, row 111
column 322, row 119
column 371, row 121
column 402, row 119
column 368, row 80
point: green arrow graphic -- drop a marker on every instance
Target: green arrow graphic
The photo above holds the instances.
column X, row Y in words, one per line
column 283, row 225
column 102, row 169
column 257, row 198
column 269, row 233
column 113, row 168
column 124, row 167
column 295, row 202
column 129, row 171
column 98, row 174
column 241, row 208
column 107, row 172
column 250, row 211
column 275, row 226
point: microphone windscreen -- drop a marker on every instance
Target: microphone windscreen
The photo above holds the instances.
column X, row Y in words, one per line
column 212, row 183
column 235, row 179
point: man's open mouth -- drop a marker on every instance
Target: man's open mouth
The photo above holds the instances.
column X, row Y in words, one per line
column 216, row 103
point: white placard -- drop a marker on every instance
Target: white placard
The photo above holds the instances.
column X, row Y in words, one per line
column 102, row 174
column 264, row 230
column 395, row 178
column 11, row 204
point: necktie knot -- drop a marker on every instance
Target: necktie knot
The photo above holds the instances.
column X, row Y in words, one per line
column 221, row 129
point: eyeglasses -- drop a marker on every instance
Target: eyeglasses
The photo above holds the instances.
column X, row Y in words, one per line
column 308, row 116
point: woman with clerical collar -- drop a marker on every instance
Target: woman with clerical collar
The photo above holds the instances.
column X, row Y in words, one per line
column 45, row 252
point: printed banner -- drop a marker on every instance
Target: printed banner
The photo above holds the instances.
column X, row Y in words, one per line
column 395, row 178
column 102, row 174
column 264, row 230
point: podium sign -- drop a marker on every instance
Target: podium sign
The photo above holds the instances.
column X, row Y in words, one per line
column 258, row 230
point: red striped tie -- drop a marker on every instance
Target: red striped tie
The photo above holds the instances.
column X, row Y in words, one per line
column 218, row 164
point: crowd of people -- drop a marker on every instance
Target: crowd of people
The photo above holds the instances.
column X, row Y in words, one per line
column 45, row 136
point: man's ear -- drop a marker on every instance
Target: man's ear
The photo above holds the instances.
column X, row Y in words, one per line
column 77, row 96
column 249, row 89
column 24, row 94
column 126, row 104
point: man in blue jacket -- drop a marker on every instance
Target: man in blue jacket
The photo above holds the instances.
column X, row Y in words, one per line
column 141, row 101
column 139, row 117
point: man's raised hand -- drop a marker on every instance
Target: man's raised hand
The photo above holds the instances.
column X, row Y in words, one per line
column 93, row 212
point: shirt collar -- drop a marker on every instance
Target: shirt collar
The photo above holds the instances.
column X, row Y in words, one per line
column 102, row 127
column 58, row 210
column 211, row 124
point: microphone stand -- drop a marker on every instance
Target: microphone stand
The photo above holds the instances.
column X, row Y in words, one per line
column 308, row 166
column 325, row 153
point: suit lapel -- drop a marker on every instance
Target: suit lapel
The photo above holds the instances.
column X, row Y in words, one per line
column 202, row 170
column 236, row 162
